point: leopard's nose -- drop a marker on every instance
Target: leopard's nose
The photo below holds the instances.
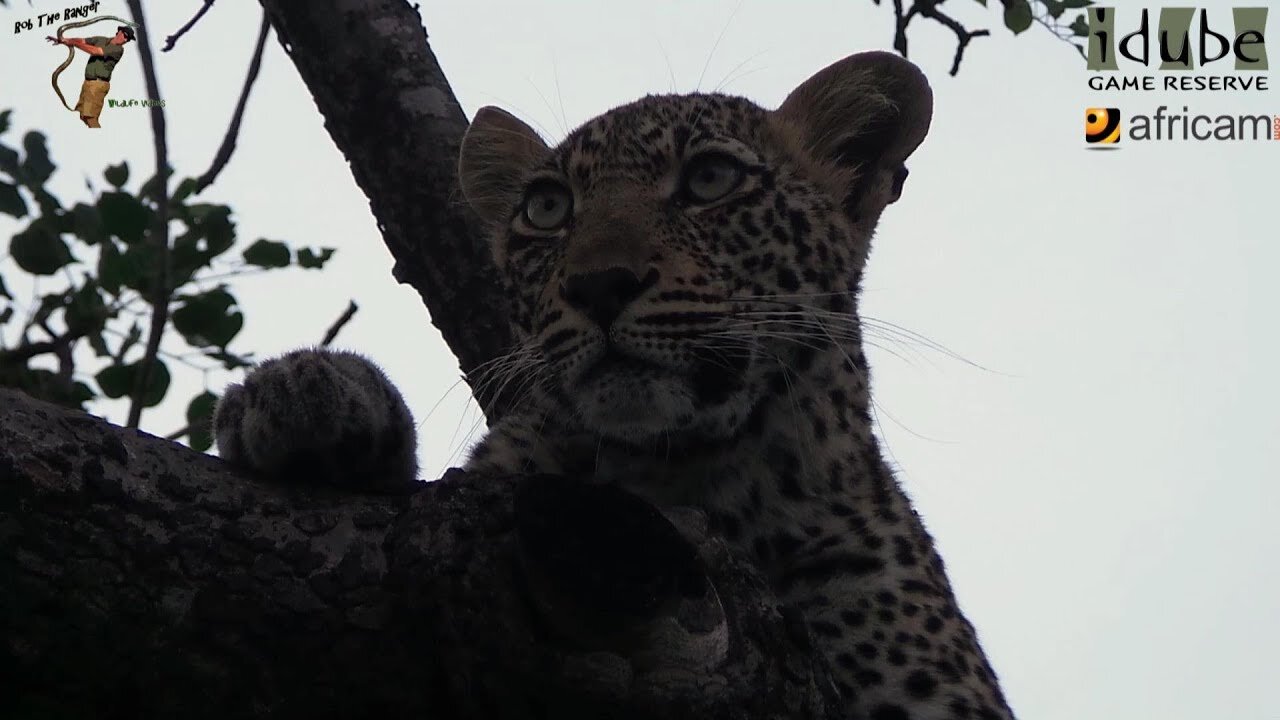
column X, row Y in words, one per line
column 601, row 295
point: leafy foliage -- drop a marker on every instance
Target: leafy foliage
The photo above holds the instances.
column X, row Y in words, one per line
column 1020, row 15
column 97, row 267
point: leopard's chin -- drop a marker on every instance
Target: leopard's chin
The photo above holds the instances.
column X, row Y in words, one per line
column 627, row 399
column 636, row 402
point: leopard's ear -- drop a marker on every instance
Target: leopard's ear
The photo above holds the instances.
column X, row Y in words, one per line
column 858, row 120
column 497, row 151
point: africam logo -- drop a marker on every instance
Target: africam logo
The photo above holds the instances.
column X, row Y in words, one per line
column 1104, row 127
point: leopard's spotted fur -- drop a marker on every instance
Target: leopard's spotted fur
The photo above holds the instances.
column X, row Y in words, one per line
column 701, row 352
column 714, row 358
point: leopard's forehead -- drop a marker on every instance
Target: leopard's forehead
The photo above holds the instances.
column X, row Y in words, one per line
column 643, row 136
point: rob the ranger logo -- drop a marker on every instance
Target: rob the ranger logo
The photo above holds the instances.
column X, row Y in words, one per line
column 1175, row 36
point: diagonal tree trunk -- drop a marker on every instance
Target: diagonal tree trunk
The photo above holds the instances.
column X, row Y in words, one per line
column 390, row 110
column 140, row 579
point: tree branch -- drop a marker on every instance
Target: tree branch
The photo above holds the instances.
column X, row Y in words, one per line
column 390, row 110
column 228, row 146
column 172, row 40
column 340, row 323
column 144, row 580
column 160, row 289
column 929, row 9
column 28, row 350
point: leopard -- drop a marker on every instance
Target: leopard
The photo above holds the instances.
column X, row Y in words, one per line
column 684, row 273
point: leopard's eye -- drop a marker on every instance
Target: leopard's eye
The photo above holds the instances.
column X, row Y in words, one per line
column 547, row 205
column 711, row 176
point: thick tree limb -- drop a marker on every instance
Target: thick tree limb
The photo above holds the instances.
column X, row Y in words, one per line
column 390, row 110
column 141, row 579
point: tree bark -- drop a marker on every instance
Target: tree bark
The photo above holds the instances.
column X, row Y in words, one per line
column 390, row 110
column 140, row 579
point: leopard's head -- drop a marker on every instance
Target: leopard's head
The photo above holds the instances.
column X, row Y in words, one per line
column 671, row 256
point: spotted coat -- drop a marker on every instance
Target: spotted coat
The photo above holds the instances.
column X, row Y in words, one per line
column 705, row 350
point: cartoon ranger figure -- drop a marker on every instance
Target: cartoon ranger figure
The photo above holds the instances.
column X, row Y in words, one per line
column 104, row 53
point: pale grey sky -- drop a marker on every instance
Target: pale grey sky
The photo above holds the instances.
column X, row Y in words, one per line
column 1105, row 494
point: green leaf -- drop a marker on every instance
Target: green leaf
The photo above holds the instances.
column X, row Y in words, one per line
column 983, row 3
column 117, row 381
column 1080, row 27
column 208, row 319
column 267, row 253
column 200, row 420
column 86, row 312
column 186, row 257
column 9, row 161
column 4, row 291
column 211, row 222
column 152, row 184
column 184, row 190
column 198, row 212
column 11, row 202
column 1055, row 8
column 309, row 258
column 39, row 251
column 81, row 393
column 124, row 216
column 132, row 268
column 60, row 222
column 4, row 121
column 37, row 167
column 1076, row 4
column 117, row 175
column 157, row 384
column 111, row 267
column 1017, row 16
column 219, row 231
column 86, row 224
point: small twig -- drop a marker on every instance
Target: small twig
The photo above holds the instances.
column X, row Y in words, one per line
column 338, row 324
column 28, row 350
column 233, row 132
column 170, row 41
column 56, row 344
column 164, row 354
column 901, row 20
column 160, row 231
column 329, row 336
column 929, row 9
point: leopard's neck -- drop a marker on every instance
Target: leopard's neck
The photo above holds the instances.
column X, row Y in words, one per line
column 808, row 447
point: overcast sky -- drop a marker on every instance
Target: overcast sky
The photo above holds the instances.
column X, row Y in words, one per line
column 1103, row 489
